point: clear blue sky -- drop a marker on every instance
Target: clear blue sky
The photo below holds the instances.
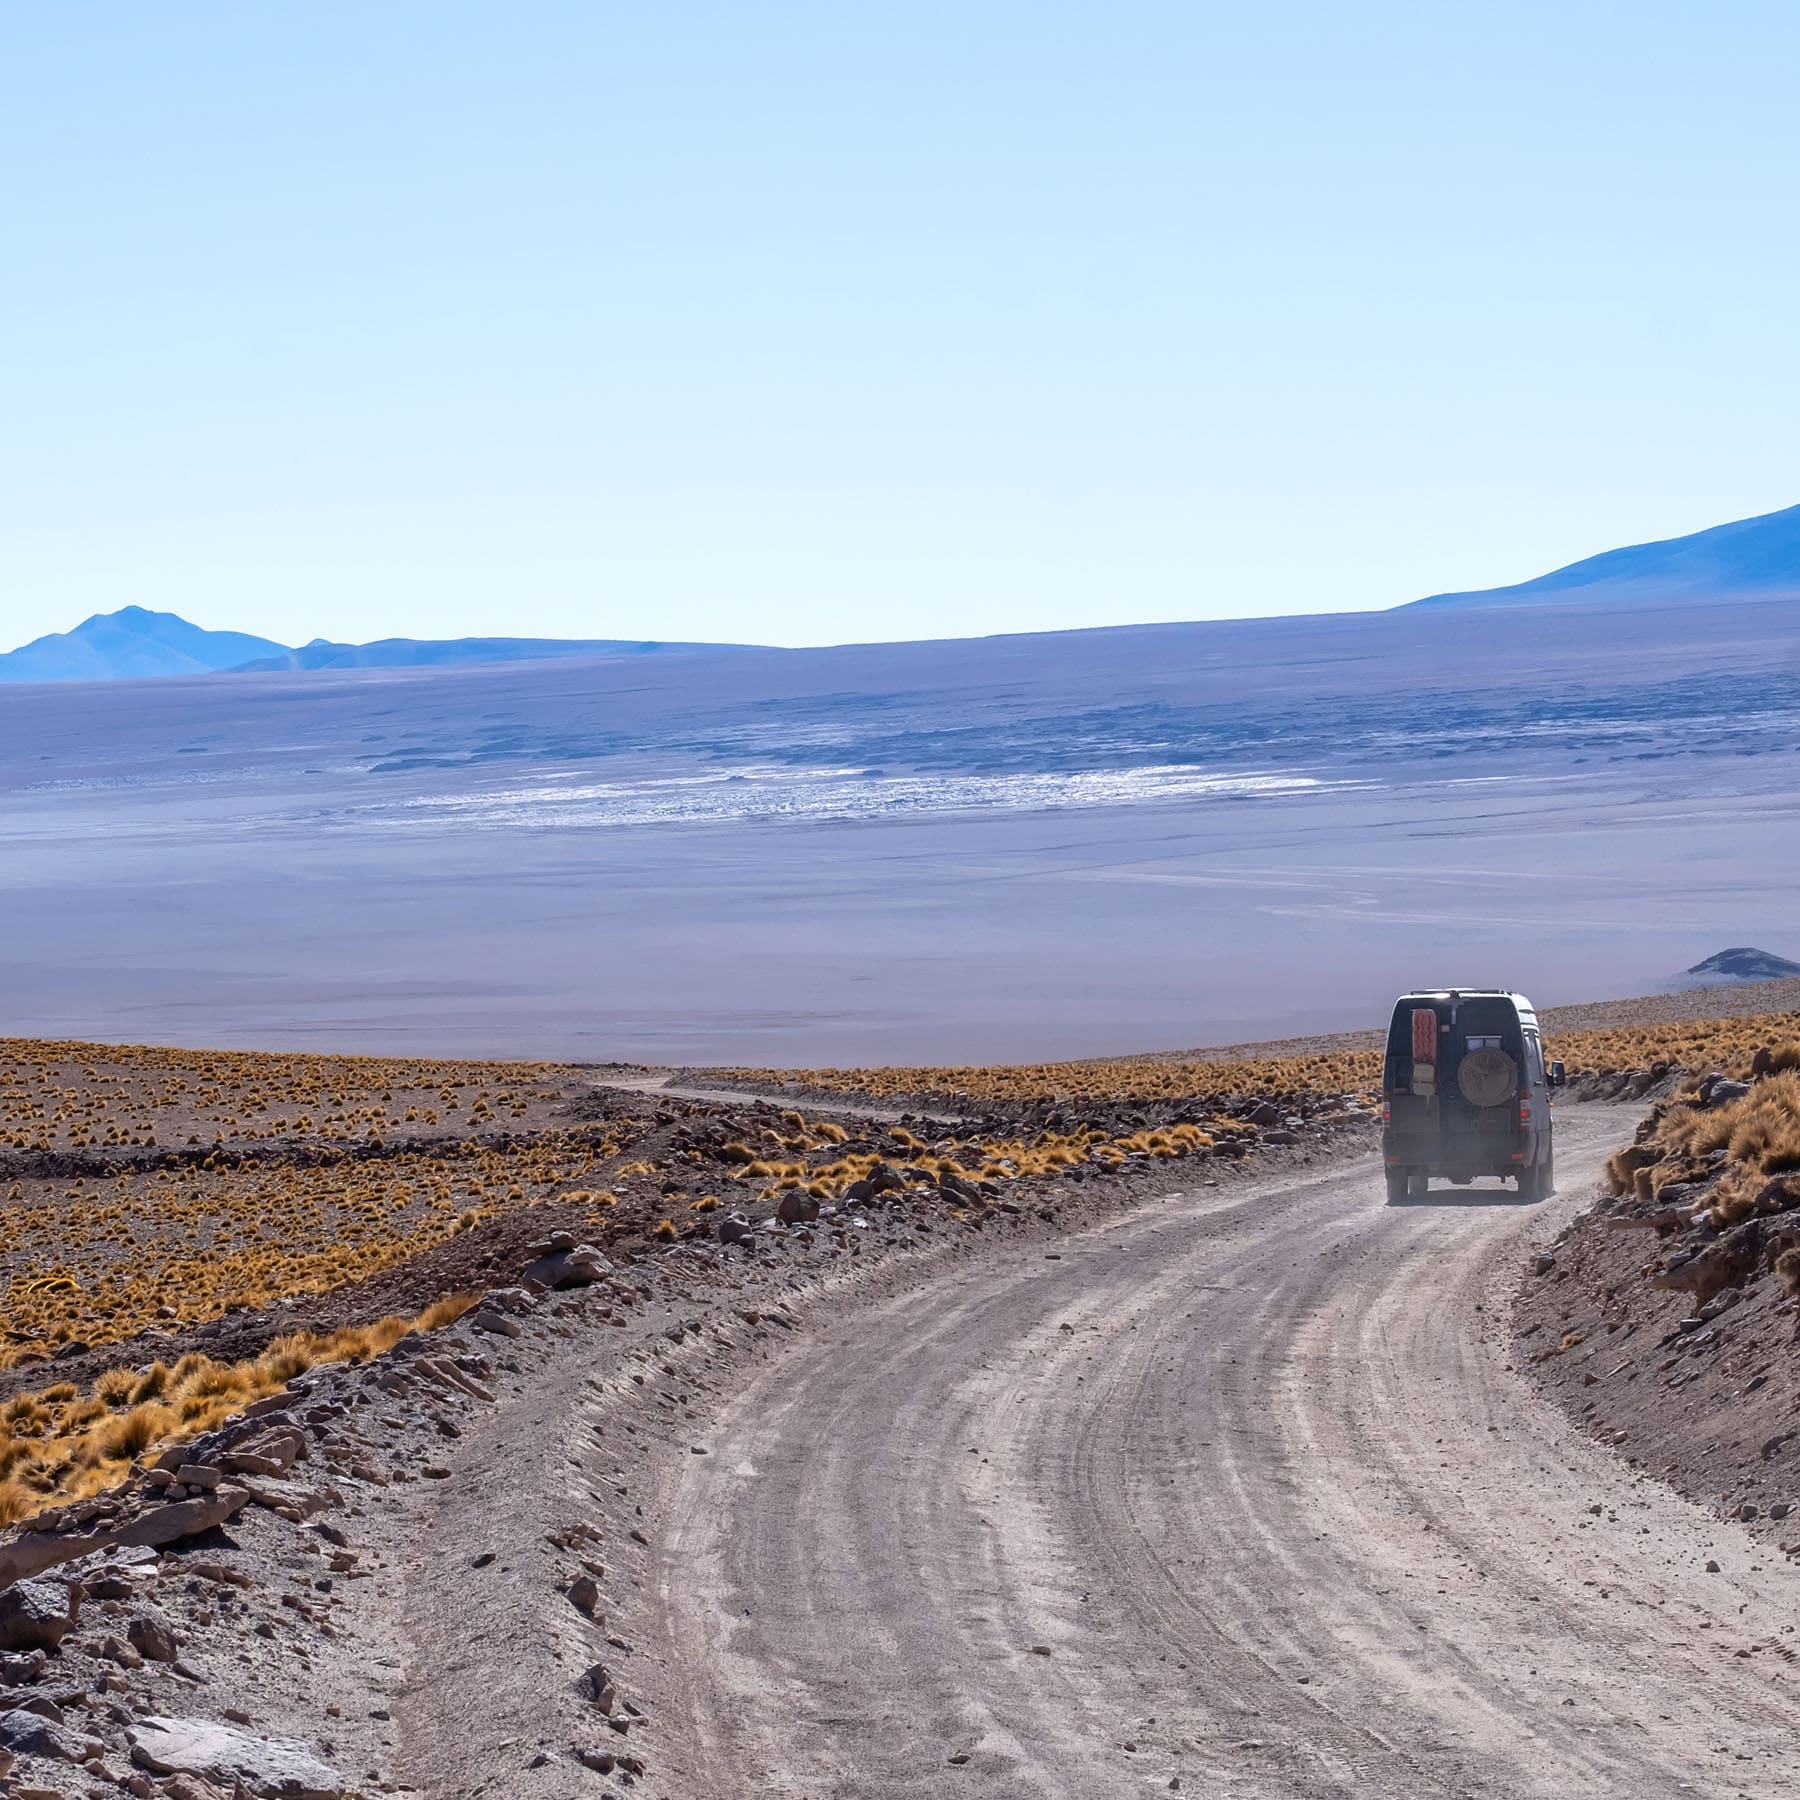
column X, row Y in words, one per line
column 801, row 323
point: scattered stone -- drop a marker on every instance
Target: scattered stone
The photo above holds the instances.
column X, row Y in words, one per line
column 269, row 1453
column 577, row 1266
column 797, row 1207
column 111, row 1574
column 121, row 1653
column 283, row 1768
column 221, row 1573
column 36, row 1615
column 484, row 1319
column 25, row 1734
column 184, row 1518
column 152, row 1636
column 293, row 1500
column 584, row 1596
column 596, row 1685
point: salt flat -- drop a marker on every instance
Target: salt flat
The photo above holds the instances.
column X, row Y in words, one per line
column 1018, row 847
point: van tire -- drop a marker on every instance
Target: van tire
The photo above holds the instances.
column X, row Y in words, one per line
column 1532, row 1182
column 1547, row 1174
column 1398, row 1181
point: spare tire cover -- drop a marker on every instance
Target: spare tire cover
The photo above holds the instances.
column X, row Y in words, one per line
column 1487, row 1077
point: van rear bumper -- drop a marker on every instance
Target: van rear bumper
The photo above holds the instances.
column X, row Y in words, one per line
column 1457, row 1153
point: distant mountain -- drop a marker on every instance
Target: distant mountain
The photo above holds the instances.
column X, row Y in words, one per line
column 1729, row 968
column 406, row 653
column 128, row 644
column 1747, row 559
column 132, row 643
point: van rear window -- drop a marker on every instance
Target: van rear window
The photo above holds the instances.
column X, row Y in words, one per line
column 1490, row 1020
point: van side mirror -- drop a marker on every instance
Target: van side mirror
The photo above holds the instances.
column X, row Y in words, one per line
column 1558, row 1075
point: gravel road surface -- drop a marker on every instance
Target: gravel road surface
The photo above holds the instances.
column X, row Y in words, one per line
column 1240, row 1494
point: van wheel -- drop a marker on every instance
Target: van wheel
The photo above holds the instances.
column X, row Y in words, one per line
column 1397, row 1181
column 1531, row 1183
column 1547, row 1174
column 1421, row 1182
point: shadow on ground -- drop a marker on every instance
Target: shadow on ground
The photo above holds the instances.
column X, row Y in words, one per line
column 1466, row 1197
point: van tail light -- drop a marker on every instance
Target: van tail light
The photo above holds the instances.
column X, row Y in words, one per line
column 1387, row 1113
column 1524, row 1112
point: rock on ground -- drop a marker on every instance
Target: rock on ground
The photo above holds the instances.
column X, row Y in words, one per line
column 280, row 1768
column 35, row 1615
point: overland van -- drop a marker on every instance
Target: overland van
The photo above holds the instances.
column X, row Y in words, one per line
column 1465, row 1092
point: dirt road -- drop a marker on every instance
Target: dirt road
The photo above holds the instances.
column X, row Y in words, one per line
column 1237, row 1495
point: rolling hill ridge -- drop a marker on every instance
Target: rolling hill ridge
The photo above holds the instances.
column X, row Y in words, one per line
column 1745, row 559
column 134, row 643
column 131, row 644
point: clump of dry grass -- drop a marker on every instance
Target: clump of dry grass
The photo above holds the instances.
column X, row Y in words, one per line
column 444, row 1312
column 17, row 1501
column 1737, row 1149
column 114, row 1387
column 1787, row 1266
column 1128, row 1080
column 58, row 1446
column 985, row 1159
column 1730, row 1044
column 68, row 1095
column 1763, row 1043
column 101, row 1260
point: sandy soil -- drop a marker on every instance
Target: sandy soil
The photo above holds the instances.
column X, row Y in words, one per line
column 1242, row 1492
column 1709, row 1408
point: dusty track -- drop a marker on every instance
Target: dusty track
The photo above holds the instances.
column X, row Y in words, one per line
column 666, row 1086
column 1254, row 1469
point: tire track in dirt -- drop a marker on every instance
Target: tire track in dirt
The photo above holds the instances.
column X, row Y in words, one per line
column 1238, row 1491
